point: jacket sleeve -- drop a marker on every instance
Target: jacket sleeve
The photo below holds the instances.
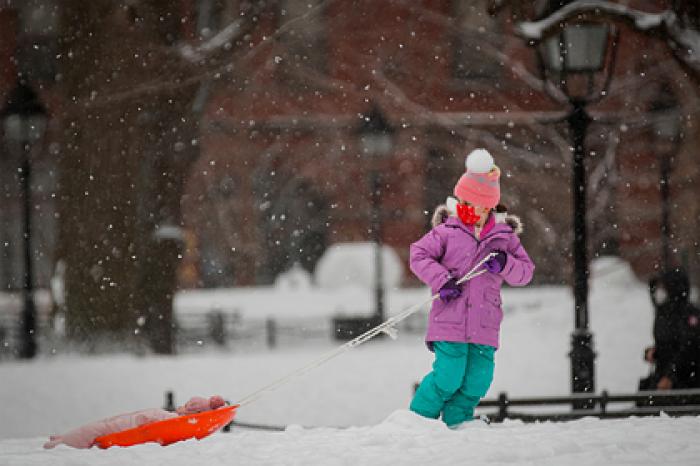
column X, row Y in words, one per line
column 424, row 261
column 519, row 268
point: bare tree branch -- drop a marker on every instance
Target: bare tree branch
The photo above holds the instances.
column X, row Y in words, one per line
column 192, row 55
column 684, row 41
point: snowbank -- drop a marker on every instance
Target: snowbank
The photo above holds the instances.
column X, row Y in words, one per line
column 612, row 273
column 352, row 264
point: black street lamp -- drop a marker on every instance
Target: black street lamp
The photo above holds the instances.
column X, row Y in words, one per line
column 667, row 126
column 376, row 141
column 24, row 122
column 578, row 58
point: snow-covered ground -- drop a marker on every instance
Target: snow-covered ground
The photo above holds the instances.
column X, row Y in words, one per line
column 353, row 409
column 405, row 439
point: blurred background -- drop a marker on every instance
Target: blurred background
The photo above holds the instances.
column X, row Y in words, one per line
column 168, row 166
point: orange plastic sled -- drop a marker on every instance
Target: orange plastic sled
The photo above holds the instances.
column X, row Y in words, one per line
column 172, row 430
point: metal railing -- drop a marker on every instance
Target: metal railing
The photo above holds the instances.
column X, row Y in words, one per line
column 647, row 403
column 193, row 331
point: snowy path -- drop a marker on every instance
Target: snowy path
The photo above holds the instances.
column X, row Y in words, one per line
column 405, row 439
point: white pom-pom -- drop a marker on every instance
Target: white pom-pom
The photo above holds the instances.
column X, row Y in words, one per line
column 479, row 161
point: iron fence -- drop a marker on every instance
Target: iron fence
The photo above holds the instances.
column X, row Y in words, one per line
column 651, row 403
column 194, row 331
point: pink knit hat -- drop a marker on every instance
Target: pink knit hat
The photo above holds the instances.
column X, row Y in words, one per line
column 479, row 185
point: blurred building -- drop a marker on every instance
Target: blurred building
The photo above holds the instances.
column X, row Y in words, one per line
column 281, row 174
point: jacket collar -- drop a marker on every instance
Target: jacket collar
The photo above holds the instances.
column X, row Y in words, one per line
column 488, row 226
column 455, row 222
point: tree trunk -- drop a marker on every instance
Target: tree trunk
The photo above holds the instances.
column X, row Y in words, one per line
column 128, row 145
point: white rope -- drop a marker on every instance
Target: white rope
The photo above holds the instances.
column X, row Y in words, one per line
column 386, row 327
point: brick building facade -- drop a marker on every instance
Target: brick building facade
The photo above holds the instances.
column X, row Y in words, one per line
column 282, row 174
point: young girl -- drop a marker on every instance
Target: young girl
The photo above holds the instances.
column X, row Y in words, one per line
column 464, row 323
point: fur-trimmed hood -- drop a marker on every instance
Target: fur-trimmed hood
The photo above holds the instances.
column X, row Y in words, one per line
column 443, row 212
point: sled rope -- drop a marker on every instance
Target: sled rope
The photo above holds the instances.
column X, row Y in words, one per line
column 385, row 327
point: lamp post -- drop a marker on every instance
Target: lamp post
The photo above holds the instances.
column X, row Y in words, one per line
column 573, row 57
column 24, row 121
column 666, row 124
column 376, row 141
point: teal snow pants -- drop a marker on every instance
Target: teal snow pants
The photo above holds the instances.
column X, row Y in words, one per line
column 461, row 376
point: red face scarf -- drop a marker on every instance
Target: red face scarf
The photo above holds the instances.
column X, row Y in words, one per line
column 466, row 214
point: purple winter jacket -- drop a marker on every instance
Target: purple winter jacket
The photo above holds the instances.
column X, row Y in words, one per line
column 450, row 249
